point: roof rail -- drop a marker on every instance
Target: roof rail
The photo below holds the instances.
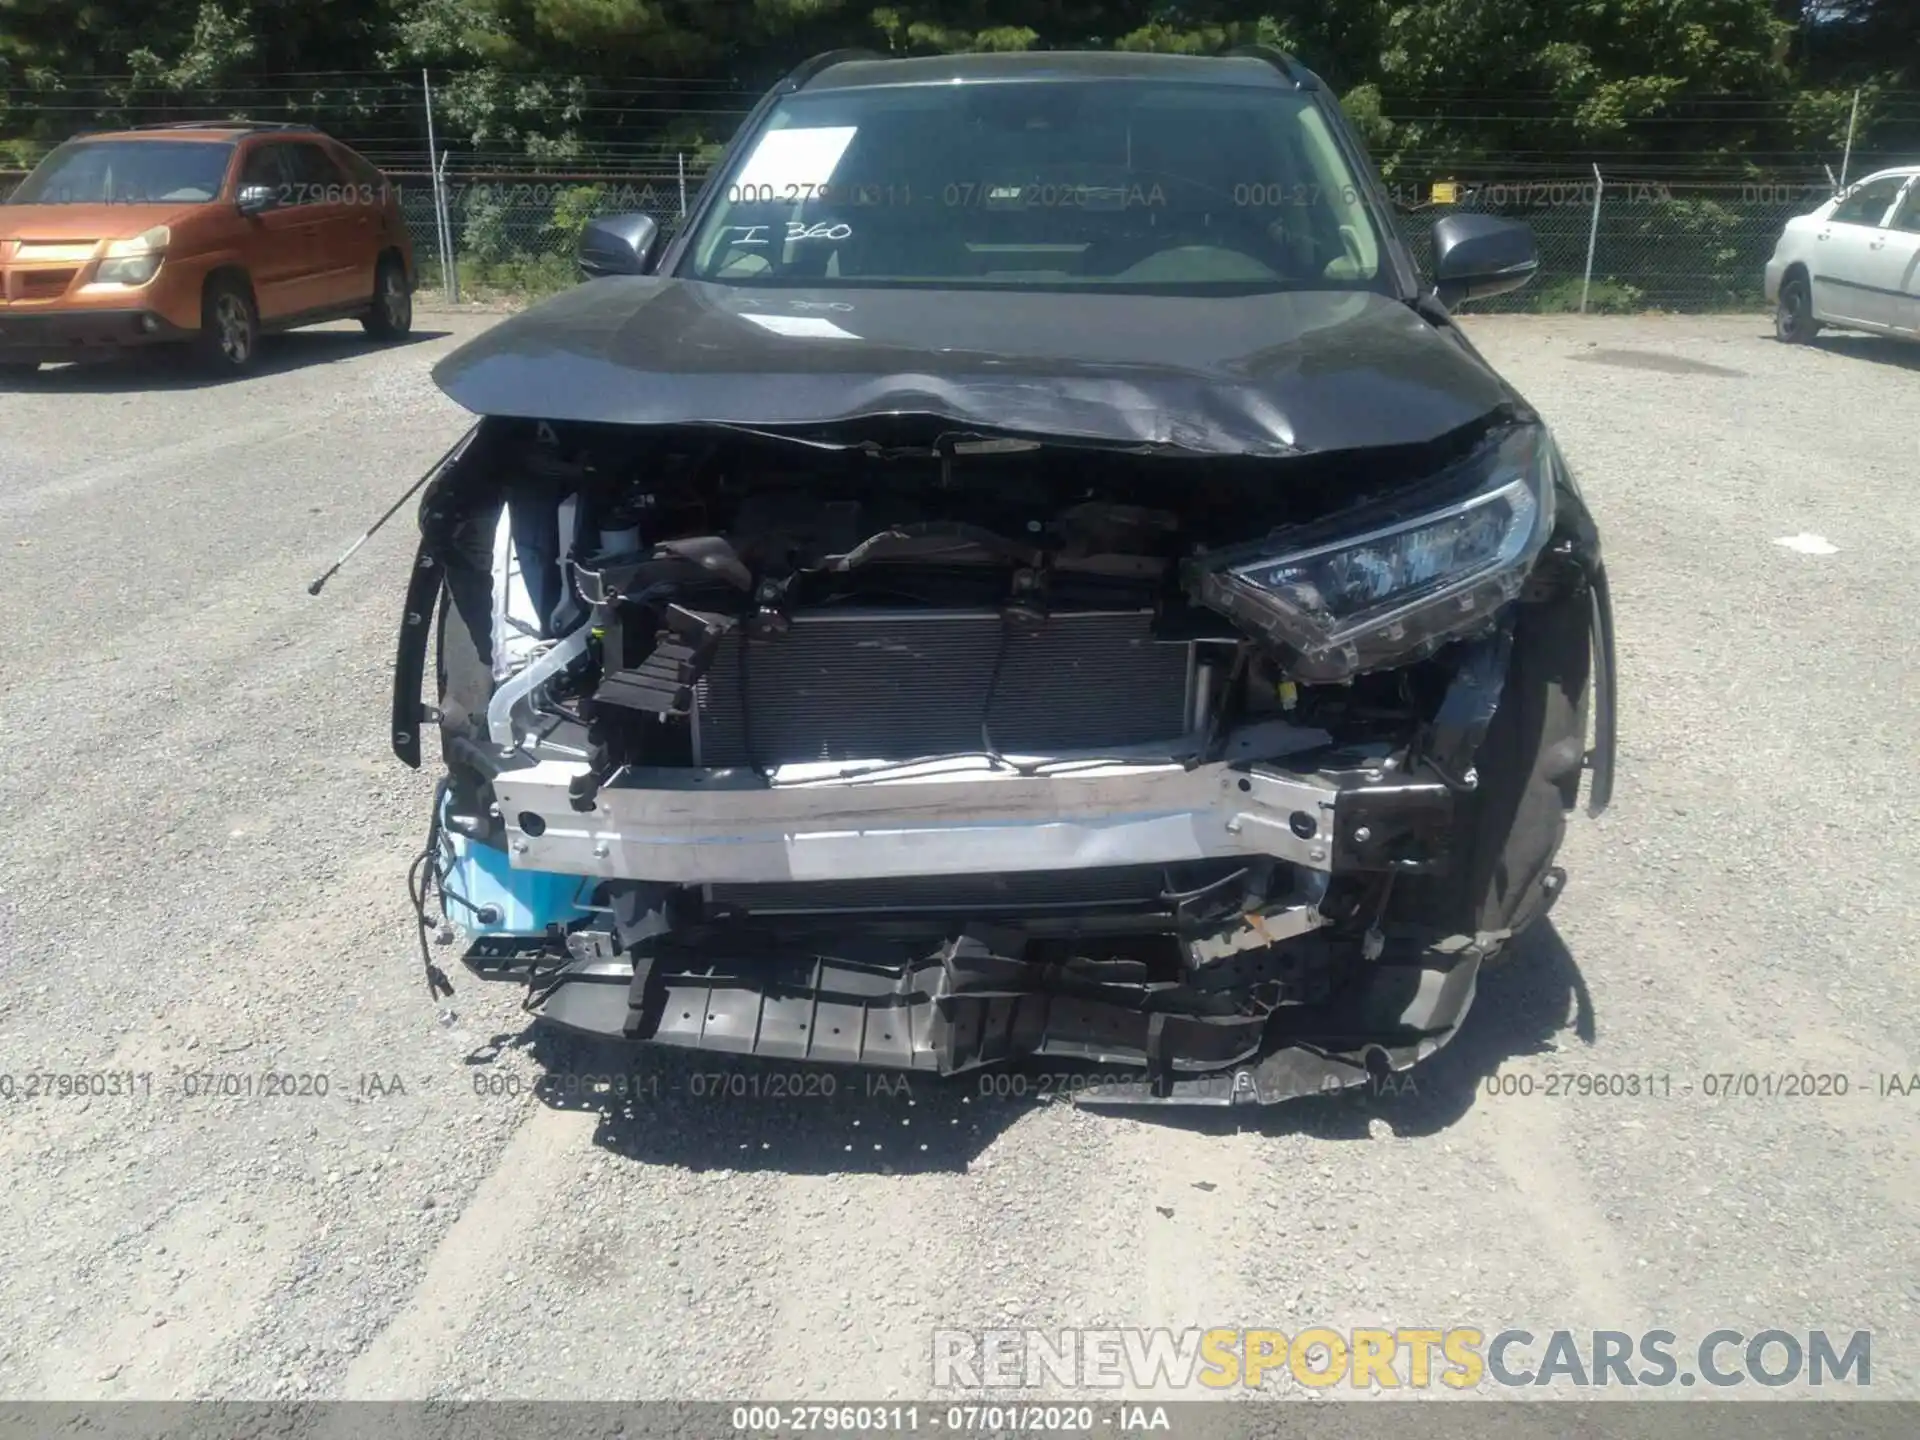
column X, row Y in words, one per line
column 1302, row 77
column 224, row 125
column 807, row 69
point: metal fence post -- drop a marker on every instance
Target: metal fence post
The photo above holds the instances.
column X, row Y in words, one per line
column 442, row 222
column 1593, row 237
column 446, row 209
column 1847, row 158
column 681, row 157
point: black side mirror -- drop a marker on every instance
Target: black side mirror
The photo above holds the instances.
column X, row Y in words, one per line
column 1479, row 255
column 618, row 245
column 254, row 199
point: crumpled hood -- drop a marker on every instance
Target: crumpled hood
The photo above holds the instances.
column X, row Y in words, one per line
column 1278, row 374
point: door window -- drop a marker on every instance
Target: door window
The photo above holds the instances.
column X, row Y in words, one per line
column 367, row 178
column 1908, row 218
column 1868, row 204
column 316, row 179
column 266, row 165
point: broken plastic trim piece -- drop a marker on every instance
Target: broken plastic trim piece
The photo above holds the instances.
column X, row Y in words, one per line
column 966, row 1006
column 664, row 682
column 1605, row 720
column 1256, row 930
column 409, row 712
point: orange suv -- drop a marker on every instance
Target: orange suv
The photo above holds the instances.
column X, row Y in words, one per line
column 201, row 233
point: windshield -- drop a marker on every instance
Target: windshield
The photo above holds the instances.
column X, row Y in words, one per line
column 1148, row 185
column 126, row 172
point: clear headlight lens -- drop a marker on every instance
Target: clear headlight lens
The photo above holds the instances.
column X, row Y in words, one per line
column 1397, row 585
column 1340, row 587
column 135, row 261
column 132, row 270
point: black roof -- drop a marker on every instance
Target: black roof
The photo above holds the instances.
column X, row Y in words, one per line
column 1265, row 68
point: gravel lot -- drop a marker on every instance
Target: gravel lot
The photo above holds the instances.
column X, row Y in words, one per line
column 202, row 871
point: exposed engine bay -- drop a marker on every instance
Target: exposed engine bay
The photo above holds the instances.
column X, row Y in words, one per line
column 905, row 746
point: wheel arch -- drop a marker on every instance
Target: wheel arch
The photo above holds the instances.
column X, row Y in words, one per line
column 1799, row 271
column 399, row 257
column 229, row 270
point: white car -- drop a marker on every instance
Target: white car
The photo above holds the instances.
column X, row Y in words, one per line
column 1854, row 262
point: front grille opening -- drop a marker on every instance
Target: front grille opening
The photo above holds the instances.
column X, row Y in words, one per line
column 44, row 284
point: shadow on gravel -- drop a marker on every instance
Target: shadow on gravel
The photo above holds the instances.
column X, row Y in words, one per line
column 168, row 367
column 1656, row 362
column 1880, row 349
column 672, row 1107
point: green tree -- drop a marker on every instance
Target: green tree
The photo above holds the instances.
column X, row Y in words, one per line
column 1435, row 84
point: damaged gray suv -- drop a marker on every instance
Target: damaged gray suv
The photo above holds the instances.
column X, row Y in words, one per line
column 1026, row 569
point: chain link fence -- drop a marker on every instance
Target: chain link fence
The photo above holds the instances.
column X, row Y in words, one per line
column 515, row 233
column 1655, row 244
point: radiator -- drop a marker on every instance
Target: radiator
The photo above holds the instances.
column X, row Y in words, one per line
column 898, row 684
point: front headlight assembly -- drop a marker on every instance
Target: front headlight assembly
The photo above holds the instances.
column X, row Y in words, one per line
column 1387, row 583
column 135, row 261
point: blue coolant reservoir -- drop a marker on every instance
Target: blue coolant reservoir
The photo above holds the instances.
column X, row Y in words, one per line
column 500, row 900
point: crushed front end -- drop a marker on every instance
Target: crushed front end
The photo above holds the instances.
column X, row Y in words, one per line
column 900, row 746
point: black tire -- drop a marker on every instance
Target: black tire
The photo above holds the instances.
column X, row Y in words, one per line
column 229, row 338
column 390, row 316
column 1793, row 322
